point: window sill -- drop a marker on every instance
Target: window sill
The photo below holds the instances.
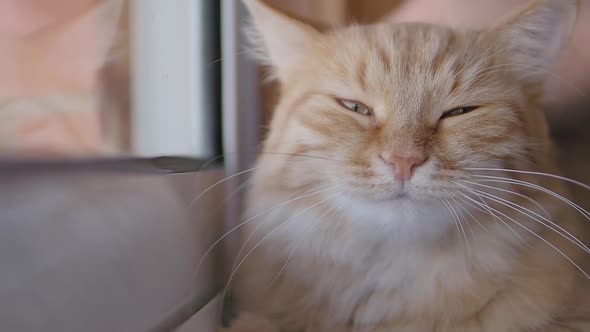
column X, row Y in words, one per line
column 106, row 244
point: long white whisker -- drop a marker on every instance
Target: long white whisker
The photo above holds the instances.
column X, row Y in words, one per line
column 460, row 228
column 299, row 197
column 478, row 208
column 578, row 183
column 228, row 197
column 537, row 204
column 208, row 189
column 457, row 214
column 542, row 239
column 469, row 213
column 552, row 226
column 218, row 183
column 489, row 210
column 300, row 155
column 462, row 217
column 534, row 186
column 460, row 223
column 463, row 209
column 232, row 275
column 292, row 253
column 244, row 245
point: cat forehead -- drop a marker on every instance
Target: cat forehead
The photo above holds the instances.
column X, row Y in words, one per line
column 406, row 62
column 402, row 46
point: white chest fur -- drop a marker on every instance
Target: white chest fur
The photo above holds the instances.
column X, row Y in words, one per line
column 368, row 264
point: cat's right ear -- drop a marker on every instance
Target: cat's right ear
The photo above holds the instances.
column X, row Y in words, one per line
column 535, row 36
column 280, row 40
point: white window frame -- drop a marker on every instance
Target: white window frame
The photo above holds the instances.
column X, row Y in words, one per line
column 168, row 115
column 241, row 92
column 169, row 82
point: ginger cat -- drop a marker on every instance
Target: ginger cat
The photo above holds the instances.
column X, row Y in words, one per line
column 407, row 183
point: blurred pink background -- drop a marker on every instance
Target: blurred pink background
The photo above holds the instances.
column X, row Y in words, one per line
column 51, row 55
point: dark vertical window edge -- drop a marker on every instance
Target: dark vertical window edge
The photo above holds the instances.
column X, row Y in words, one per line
column 212, row 64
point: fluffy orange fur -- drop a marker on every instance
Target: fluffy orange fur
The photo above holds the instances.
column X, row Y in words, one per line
column 464, row 239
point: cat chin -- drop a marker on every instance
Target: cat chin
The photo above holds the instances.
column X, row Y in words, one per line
column 403, row 218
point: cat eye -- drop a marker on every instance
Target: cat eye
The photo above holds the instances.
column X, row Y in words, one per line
column 459, row 111
column 355, row 106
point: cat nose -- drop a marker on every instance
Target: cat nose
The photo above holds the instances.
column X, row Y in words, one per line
column 404, row 166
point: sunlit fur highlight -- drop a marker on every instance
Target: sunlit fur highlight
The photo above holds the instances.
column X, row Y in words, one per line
column 362, row 252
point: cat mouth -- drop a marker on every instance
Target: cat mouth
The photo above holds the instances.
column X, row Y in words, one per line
column 401, row 195
column 388, row 194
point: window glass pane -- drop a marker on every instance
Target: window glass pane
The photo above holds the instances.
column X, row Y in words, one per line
column 109, row 77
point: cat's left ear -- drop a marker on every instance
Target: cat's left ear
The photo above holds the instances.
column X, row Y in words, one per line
column 535, row 37
column 281, row 39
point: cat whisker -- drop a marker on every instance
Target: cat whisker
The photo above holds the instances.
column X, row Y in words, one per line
column 300, row 155
column 275, row 229
column 458, row 201
column 259, row 152
column 537, row 204
column 231, row 195
column 244, row 245
column 460, row 229
column 317, row 190
column 475, row 207
column 535, row 216
column 199, row 196
column 537, row 236
column 463, row 220
column 463, row 215
column 292, row 253
column 488, row 210
column 209, row 162
column 497, row 179
column 237, row 53
column 563, row 178
column 553, row 224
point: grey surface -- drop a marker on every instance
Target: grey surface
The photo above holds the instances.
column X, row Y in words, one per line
column 135, row 165
column 89, row 248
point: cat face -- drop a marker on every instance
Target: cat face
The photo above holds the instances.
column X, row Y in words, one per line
column 401, row 112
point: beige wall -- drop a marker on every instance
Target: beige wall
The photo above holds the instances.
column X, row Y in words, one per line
column 325, row 11
column 52, row 55
column 338, row 11
column 370, row 11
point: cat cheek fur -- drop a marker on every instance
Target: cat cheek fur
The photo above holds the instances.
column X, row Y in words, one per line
column 324, row 258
